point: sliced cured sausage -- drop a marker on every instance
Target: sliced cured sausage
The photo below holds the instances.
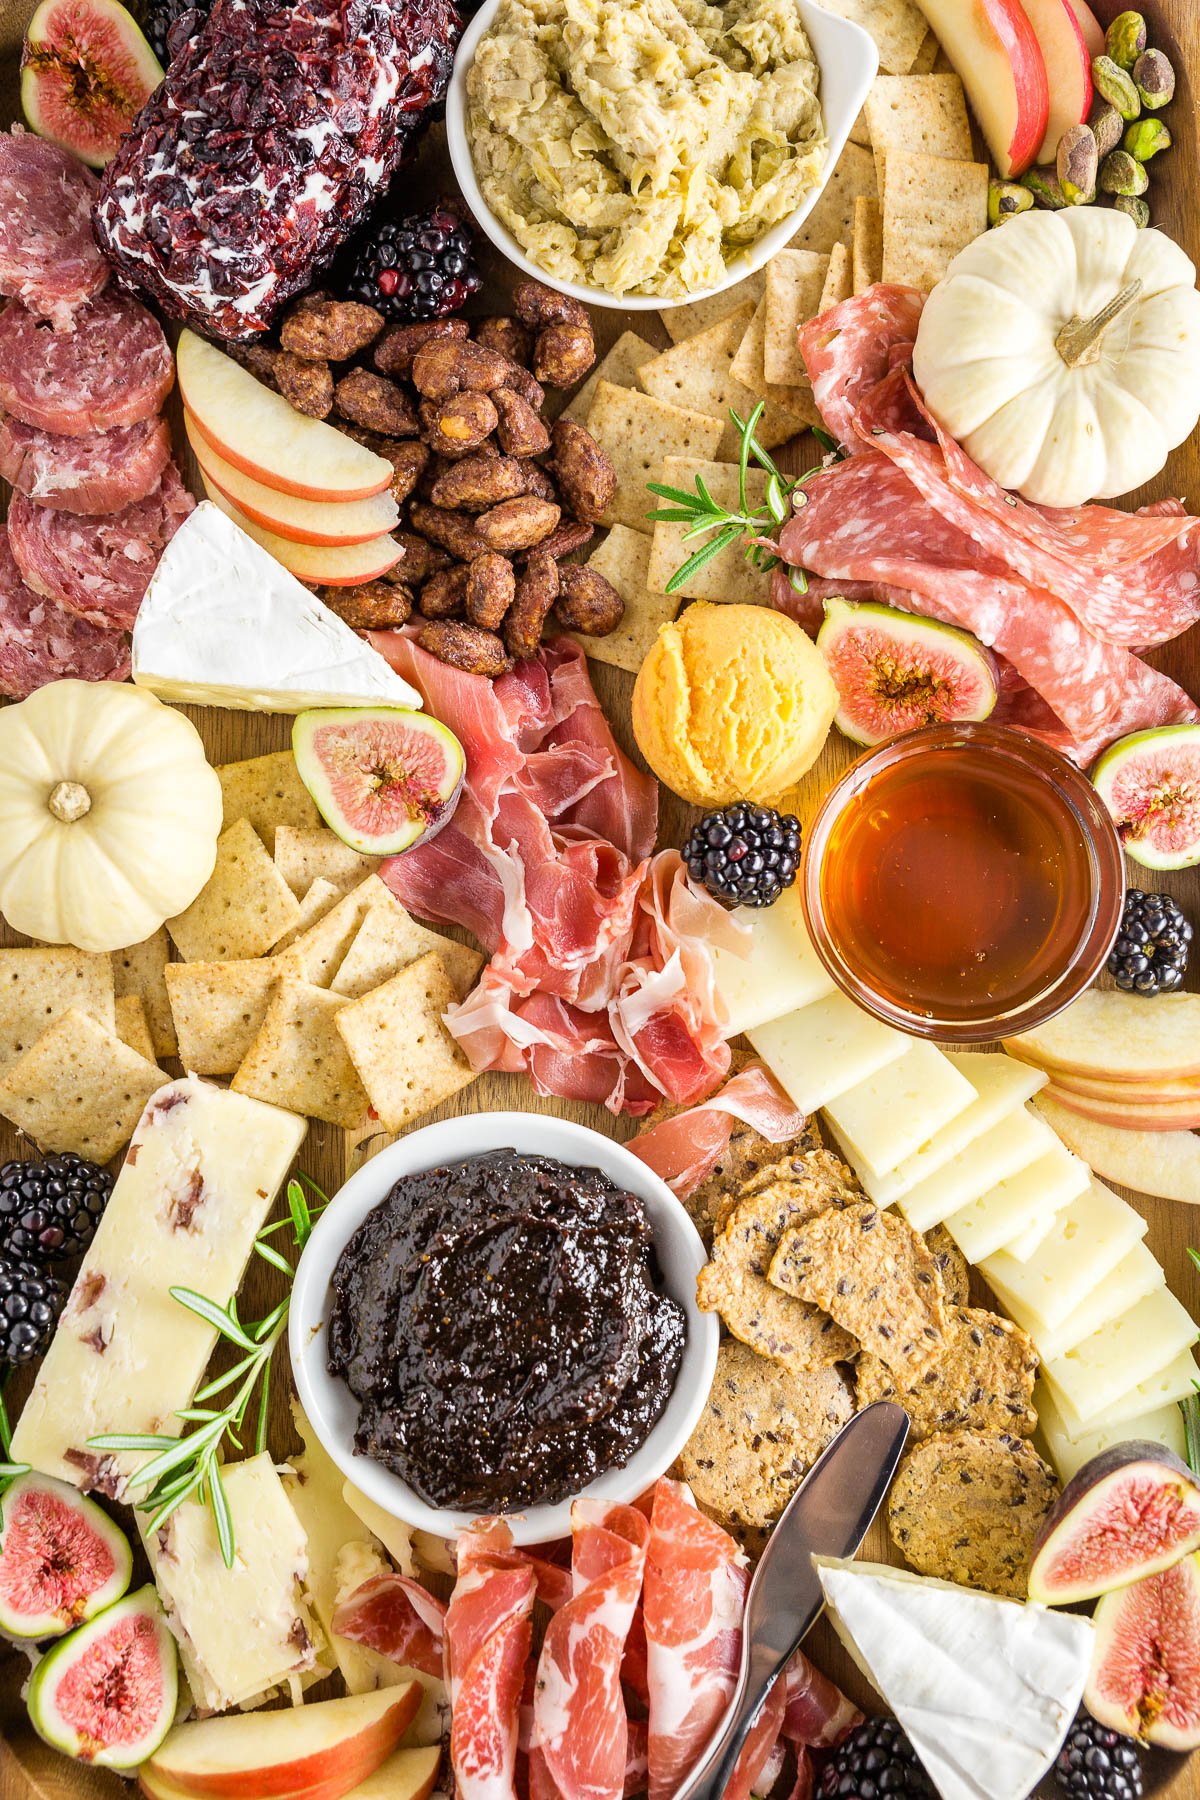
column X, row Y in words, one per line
column 48, row 257
column 113, row 369
column 98, row 567
column 39, row 642
column 99, row 473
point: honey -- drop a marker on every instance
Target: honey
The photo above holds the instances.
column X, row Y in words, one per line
column 960, row 879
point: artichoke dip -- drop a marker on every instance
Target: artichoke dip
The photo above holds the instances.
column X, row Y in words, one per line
column 640, row 146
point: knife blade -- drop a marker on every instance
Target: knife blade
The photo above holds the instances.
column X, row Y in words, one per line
column 829, row 1515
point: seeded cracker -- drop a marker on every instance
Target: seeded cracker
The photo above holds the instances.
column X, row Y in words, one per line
column 952, row 1265
column 898, row 27
column 966, row 1505
column 268, row 791
column 831, row 220
column 244, row 908
column 933, row 208
column 748, row 1154
column 321, row 898
column 406, row 1058
column 298, row 1060
column 982, row 1381
column 795, row 282
column 318, row 952
column 638, row 432
column 218, row 1010
column 387, row 941
column 620, row 367
column 728, row 575
column 624, row 559
column 789, row 409
column 925, row 113
column 79, row 1088
column 687, row 321
column 139, row 970
column 131, row 1026
column 866, row 253
column 839, row 281
column 39, row 986
column 303, row 856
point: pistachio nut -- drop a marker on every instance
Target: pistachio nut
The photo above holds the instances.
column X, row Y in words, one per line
column 1006, row 199
column 1154, row 79
column 1121, row 174
column 1115, row 85
column 1125, row 39
column 1076, row 163
column 1137, row 209
column 1107, row 126
column 1145, row 138
column 1044, row 186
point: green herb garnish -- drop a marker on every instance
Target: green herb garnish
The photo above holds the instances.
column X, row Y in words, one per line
column 9, row 1470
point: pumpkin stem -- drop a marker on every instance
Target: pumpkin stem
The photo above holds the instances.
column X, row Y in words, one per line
column 69, row 801
column 1079, row 340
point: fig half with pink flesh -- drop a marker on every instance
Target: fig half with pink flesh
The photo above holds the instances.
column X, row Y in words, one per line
column 1150, row 783
column 895, row 672
column 1145, row 1674
column 86, row 72
column 62, row 1559
column 107, row 1693
column 1129, row 1512
column 382, row 777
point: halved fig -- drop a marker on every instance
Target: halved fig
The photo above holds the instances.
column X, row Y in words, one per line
column 62, row 1560
column 1150, row 783
column 382, row 777
column 86, row 72
column 107, row 1693
column 1145, row 1674
column 1129, row 1512
column 895, row 672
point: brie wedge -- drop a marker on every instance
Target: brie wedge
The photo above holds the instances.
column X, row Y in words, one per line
column 223, row 624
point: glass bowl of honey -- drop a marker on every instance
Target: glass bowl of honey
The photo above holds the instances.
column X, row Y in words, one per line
column 963, row 882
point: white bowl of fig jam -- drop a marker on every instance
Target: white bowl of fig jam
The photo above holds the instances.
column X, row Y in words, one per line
column 495, row 1314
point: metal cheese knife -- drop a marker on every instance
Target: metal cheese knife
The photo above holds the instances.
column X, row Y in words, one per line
column 829, row 1515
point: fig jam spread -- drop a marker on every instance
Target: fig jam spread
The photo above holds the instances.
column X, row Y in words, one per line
column 502, row 1324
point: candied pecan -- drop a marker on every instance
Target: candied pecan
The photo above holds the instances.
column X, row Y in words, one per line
column 563, row 354
column 537, row 589
column 393, row 354
column 449, row 365
column 453, row 531
column 420, row 560
column 537, row 481
column 466, row 647
column 257, row 359
column 408, row 460
column 444, row 594
column 567, row 538
column 538, row 305
column 521, row 431
column 307, row 386
column 517, row 524
column 586, row 478
column 337, row 329
column 479, row 482
column 375, row 403
column 587, row 601
column 507, row 336
column 459, row 425
column 519, row 381
column 489, row 589
column 374, row 606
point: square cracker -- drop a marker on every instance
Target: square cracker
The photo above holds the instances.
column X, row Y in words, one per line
column 637, row 431
column 218, row 1009
column 927, row 55
column 317, row 953
column 839, row 279
column 933, row 208
column 918, row 112
column 795, row 282
column 39, row 986
column 683, row 322
column 860, row 131
column 268, row 791
column 405, row 1057
column 866, row 255
column 726, row 576
column 789, row 409
column 700, row 372
column 132, row 1027
column 79, row 1088
column 303, row 856
column 245, row 907
column 388, row 940
column 620, row 366
column 831, row 220
column 624, row 559
column 139, row 970
column 321, row 898
column 898, row 27
column 298, row 1060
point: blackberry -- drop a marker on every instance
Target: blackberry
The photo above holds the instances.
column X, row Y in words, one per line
column 1097, row 1763
column 50, row 1210
column 1150, row 955
column 420, row 267
column 30, row 1302
column 168, row 25
column 876, row 1762
column 744, row 854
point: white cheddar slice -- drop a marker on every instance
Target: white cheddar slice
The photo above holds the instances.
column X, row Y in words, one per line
column 1137, row 1274
column 779, row 972
column 1000, row 1084
column 1162, row 1425
column 243, row 1631
column 985, row 1688
column 223, row 624
column 1086, row 1242
column 1034, row 1194
column 1093, row 1375
column 1027, row 1243
column 1014, row 1143
column 200, row 1178
column 1177, row 1380
column 825, row 1048
column 888, row 1116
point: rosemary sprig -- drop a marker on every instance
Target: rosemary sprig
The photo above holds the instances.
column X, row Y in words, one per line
column 189, row 1465
column 1190, row 1408
column 9, row 1470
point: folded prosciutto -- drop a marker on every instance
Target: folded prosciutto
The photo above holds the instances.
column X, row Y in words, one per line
column 685, row 1148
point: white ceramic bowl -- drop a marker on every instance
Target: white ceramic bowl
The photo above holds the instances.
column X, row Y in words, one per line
column 332, row 1408
column 848, row 62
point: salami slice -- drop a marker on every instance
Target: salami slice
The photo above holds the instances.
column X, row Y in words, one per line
column 39, row 642
column 99, row 473
column 113, row 369
column 48, row 257
column 98, row 568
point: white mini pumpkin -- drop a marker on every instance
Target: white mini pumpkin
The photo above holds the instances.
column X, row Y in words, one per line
column 109, row 814
column 1062, row 350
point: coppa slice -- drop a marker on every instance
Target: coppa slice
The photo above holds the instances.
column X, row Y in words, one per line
column 106, row 1694
column 99, row 473
column 1145, row 1678
column 895, row 672
column 1150, row 783
column 86, row 71
column 62, row 1560
column 112, row 369
column 383, row 777
column 1129, row 1512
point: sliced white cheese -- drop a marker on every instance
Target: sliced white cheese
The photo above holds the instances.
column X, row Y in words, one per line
column 1086, row 1242
column 1162, row 1425
column 1136, row 1275
column 985, row 1688
column 223, row 624
column 1001, row 1085
column 1027, row 1243
column 1093, row 1375
column 1175, row 1381
column 825, row 1048
column 779, row 972
column 900, row 1107
column 1024, row 1200
column 1013, row 1144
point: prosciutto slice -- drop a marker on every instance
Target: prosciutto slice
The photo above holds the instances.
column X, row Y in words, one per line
column 685, row 1148
column 488, row 1633
column 399, row 1618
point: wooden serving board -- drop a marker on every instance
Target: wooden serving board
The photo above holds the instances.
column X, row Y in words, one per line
column 31, row 1771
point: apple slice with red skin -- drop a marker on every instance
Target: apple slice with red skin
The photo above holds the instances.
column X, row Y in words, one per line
column 325, row 522
column 1117, row 1037
column 1090, row 27
column 1165, row 1163
column 406, row 1775
column 332, row 565
column 1140, row 1093
column 995, row 50
column 1068, row 68
column 1130, row 1114
column 315, row 1752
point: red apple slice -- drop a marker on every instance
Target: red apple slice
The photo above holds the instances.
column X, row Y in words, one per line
column 1166, row 1163
column 336, row 565
column 314, row 1752
column 258, row 432
column 996, row 53
column 1140, row 1093
column 327, row 522
column 1068, row 68
column 1090, row 26
column 406, row 1775
column 1130, row 1114
column 1118, row 1037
